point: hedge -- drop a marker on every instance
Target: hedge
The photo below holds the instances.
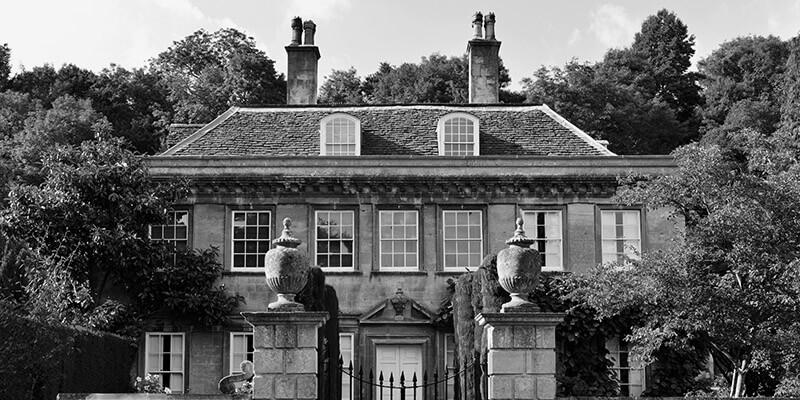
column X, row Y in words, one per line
column 40, row 360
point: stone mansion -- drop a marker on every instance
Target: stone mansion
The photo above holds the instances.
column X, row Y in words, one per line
column 386, row 199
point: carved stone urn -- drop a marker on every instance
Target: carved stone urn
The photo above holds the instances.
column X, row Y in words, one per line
column 518, row 269
column 286, row 268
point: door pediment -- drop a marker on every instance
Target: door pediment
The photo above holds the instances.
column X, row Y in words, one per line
column 397, row 309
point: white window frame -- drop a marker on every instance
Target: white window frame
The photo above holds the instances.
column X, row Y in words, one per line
column 171, row 225
column 259, row 240
column 445, row 240
column 391, row 240
column 449, row 365
column 352, row 239
column 148, row 369
column 248, row 355
column 324, row 135
column 529, row 216
column 440, row 131
column 619, row 238
column 346, row 362
column 616, row 347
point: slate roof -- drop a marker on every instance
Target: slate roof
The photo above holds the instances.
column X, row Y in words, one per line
column 178, row 132
column 511, row 130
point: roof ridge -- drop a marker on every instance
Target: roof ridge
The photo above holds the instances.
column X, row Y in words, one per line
column 575, row 130
column 201, row 132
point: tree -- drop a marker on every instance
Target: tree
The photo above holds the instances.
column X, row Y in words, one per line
column 642, row 99
column 14, row 109
column 790, row 94
column 69, row 122
column 206, row 73
column 341, row 87
column 5, row 65
column 136, row 104
column 46, row 84
column 632, row 122
column 666, row 46
column 742, row 82
column 436, row 79
column 91, row 210
column 84, row 229
column 731, row 279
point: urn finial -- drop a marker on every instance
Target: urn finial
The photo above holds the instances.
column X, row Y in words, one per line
column 518, row 268
column 286, row 268
column 286, row 239
column 519, row 238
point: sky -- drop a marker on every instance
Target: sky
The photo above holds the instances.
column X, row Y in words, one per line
column 363, row 33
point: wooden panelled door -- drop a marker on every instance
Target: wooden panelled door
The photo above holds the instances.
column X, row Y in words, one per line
column 394, row 359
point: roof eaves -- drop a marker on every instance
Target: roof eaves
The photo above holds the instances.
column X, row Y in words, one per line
column 200, row 132
column 577, row 131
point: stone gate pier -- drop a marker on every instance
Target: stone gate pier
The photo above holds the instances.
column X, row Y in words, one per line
column 285, row 356
column 521, row 354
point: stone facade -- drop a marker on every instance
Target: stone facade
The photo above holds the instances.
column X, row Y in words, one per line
column 272, row 162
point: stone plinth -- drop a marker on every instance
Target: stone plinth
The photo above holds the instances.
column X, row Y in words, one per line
column 522, row 355
column 285, row 353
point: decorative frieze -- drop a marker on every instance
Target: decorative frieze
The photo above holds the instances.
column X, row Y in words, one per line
column 405, row 188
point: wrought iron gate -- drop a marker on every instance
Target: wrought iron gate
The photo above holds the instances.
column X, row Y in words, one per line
column 367, row 386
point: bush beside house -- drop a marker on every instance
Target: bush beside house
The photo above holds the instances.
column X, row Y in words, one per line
column 38, row 360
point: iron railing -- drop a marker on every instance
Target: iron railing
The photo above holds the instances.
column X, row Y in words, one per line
column 365, row 386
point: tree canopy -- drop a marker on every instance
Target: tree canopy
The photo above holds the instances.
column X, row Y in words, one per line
column 641, row 99
column 436, row 79
column 742, row 81
column 731, row 278
column 206, row 73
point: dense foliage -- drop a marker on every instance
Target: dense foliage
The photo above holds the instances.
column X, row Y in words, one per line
column 731, row 280
column 206, row 73
column 583, row 368
column 77, row 226
column 642, row 98
column 436, row 79
column 39, row 360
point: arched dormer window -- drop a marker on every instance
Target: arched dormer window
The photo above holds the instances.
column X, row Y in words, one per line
column 458, row 135
column 340, row 135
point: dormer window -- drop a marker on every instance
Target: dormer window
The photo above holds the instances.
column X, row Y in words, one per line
column 340, row 135
column 458, row 135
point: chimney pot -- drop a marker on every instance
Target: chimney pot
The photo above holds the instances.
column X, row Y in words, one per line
column 310, row 29
column 302, row 64
column 484, row 62
column 477, row 24
column 488, row 22
column 297, row 30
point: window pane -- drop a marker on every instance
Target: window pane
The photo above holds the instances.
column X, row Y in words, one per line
column 458, row 138
column 251, row 238
column 464, row 248
column 335, row 238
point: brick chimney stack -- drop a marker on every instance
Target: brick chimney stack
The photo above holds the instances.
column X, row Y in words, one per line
column 301, row 73
column 484, row 61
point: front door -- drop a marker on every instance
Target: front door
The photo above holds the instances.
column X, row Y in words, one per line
column 393, row 359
